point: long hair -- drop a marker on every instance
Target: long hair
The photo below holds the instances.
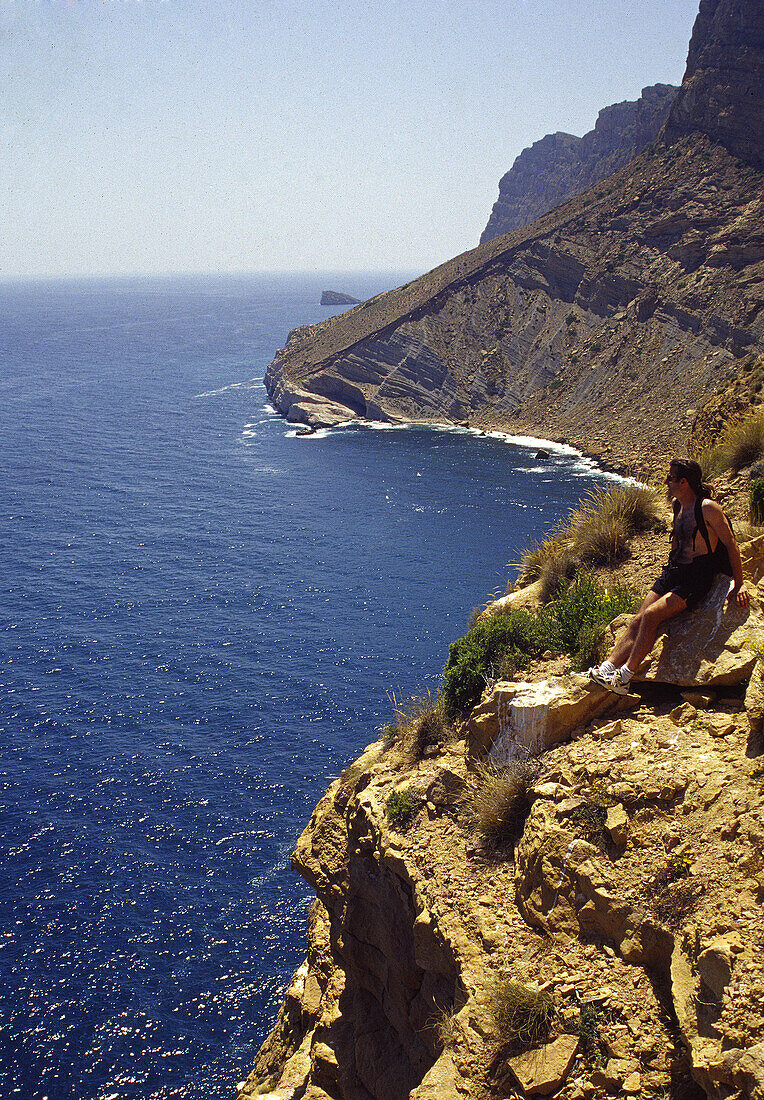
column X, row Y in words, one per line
column 690, row 469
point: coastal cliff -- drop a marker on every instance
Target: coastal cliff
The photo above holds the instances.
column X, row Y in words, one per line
column 631, row 901
column 630, row 305
column 561, row 165
column 628, row 321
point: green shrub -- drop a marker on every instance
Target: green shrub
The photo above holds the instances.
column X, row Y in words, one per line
column 402, row 805
column 506, row 641
column 500, row 800
column 757, row 501
column 479, row 655
column 522, row 1014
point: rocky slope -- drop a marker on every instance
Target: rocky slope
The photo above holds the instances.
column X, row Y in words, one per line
column 630, row 305
column 561, row 165
column 634, row 898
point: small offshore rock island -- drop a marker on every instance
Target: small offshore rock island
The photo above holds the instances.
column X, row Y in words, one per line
column 611, row 942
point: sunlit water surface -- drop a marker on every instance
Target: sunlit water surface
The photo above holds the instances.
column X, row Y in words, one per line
column 202, row 616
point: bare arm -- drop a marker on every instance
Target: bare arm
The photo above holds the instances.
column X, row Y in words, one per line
column 717, row 521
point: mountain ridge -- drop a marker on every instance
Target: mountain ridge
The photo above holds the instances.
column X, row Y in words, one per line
column 561, row 165
column 631, row 304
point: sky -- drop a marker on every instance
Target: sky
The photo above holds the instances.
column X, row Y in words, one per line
column 162, row 136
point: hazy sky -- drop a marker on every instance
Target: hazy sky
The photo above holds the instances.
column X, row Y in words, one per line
column 245, row 135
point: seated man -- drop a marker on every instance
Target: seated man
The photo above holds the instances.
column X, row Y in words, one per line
column 693, row 562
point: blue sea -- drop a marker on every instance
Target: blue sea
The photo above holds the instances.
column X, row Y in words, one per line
column 202, row 619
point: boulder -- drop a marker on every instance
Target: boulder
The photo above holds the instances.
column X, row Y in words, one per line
column 542, row 1071
column 617, row 825
column 526, row 719
column 708, row 647
column 528, row 596
column 715, row 967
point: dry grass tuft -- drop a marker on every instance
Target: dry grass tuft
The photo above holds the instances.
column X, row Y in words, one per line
column 741, row 445
column 499, row 801
column 522, row 1014
column 445, row 1028
column 597, row 533
column 420, row 723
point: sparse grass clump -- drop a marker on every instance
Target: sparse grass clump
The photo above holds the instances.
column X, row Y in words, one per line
column 597, row 533
column 522, row 1014
column 499, row 801
column 676, row 902
column 741, row 445
column 419, row 723
column 445, row 1027
column 402, row 805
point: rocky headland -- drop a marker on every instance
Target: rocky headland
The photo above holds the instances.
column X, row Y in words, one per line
column 630, row 907
column 633, row 899
column 633, row 304
column 562, row 165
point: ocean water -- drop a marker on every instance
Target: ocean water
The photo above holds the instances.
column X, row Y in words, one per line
column 202, row 616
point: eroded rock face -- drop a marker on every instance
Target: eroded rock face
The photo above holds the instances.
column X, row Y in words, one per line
column 722, row 93
column 519, row 719
column 561, row 165
column 640, row 865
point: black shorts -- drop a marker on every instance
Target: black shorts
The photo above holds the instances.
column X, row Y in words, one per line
column 691, row 580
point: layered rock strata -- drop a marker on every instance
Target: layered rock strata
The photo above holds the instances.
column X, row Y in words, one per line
column 628, row 306
column 561, row 165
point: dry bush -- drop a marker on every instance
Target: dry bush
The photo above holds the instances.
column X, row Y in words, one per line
column 499, row 801
column 597, row 533
column 420, row 723
column 741, row 445
column 678, row 901
column 522, row 1014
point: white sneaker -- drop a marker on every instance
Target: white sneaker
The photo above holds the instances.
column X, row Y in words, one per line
column 611, row 681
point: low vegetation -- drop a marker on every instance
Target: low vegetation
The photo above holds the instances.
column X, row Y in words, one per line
column 757, row 501
column 419, row 723
column 522, row 1014
column 498, row 646
column 590, row 816
column 741, row 445
column 587, row 1026
column 499, row 801
column 402, row 805
column 596, row 533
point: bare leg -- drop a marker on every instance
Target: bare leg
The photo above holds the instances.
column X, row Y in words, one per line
column 642, row 631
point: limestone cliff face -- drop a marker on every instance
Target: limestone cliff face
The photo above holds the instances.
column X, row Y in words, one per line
column 625, row 308
column 722, row 93
column 562, row 165
column 633, row 898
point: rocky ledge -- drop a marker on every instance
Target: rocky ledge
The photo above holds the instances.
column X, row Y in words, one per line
column 633, row 899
